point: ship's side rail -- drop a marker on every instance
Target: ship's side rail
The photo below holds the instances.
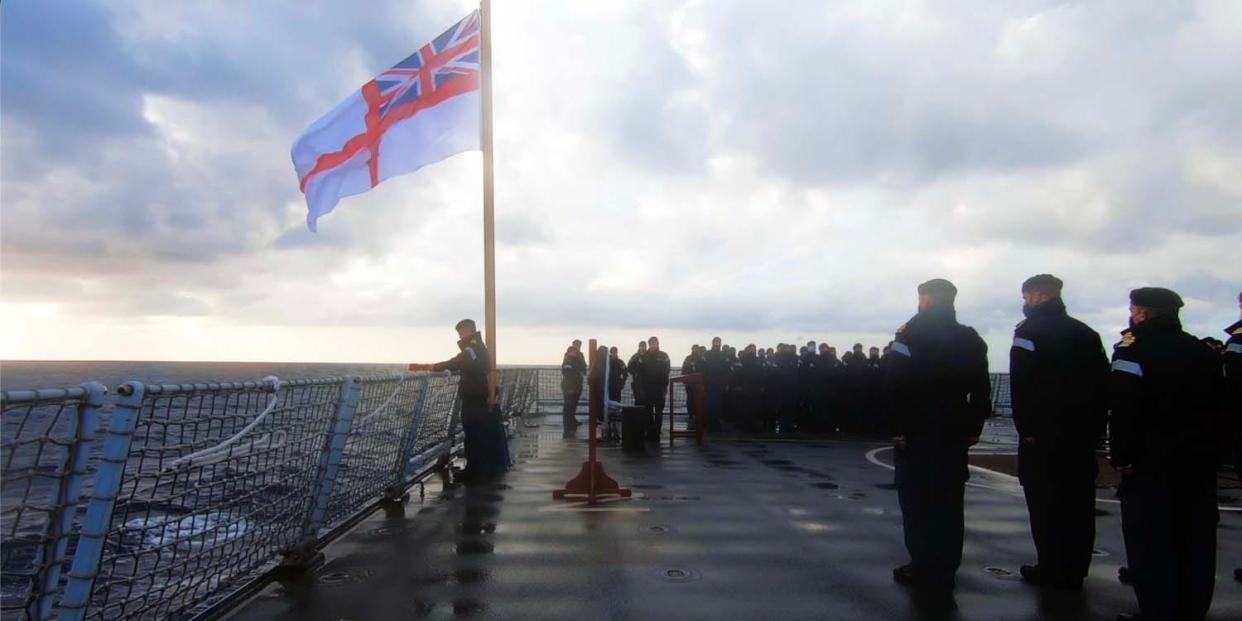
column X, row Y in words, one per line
column 551, row 398
column 164, row 499
column 45, row 452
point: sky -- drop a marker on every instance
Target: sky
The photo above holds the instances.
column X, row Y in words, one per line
column 766, row 172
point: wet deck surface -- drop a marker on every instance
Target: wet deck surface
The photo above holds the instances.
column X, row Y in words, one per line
column 739, row 529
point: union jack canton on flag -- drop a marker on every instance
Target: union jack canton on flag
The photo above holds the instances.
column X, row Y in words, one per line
column 424, row 109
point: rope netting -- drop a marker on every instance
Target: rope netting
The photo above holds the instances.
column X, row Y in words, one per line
column 184, row 530
column 388, row 419
column 41, row 431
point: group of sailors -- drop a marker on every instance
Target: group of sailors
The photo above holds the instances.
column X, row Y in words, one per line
column 782, row 389
column 1166, row 401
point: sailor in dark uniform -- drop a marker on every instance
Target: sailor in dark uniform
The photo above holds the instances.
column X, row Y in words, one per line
column 655, row 368
column 750, row 389
column 785, row 383
column 635, row 367
column 573, row 370
column 1232, row 362
column 715, row 374
column 937, row 394
column 1165, row 391
column 486, row 446
column 689, row 366
column 1059, row 376
column 807, row 359
column 874, row 382
column 821, row 421
column 855, row 390
column 617, row 373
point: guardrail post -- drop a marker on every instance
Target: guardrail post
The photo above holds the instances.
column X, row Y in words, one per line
column 98, row 519
column 52, row 552
column 396, row 489
column 306, row 553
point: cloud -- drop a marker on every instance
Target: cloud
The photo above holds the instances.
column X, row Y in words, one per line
column 687, row 168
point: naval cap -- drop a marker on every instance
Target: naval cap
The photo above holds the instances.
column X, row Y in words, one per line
column 1156, row 297
column 938, row 289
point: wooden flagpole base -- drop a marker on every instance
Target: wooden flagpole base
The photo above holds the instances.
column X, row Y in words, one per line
column 591, row 482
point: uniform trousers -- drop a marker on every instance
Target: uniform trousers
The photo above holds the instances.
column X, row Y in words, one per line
column 1060, row 495
column 1169, row 525
column 570, row 406
column 486, row 447
column 931, row 488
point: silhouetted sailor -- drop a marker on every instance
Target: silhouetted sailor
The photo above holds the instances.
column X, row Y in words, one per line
column 573, row 370
column 821, row 391
column 617, row 373
column 635, row 367
column 715, row 374
column 486, row 446
column 1165, row 390
column 1231, row 359
column 785, row 386
column 1059, row 377
column 731, row 404
column 873, row 420
column 807, row 360
column 655, row 372
column 690, row 365
column 836, row 391
column 938, row 394
column 750, row 389
column 856, row 375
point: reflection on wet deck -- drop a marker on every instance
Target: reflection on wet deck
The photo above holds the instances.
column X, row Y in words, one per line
column 738, row 529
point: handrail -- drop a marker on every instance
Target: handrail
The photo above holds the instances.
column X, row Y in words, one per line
column 138, row 505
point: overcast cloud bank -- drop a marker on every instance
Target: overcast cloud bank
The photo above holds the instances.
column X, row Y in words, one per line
column 683, row 169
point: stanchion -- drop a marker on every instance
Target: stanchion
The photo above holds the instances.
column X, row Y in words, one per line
column 591, row 480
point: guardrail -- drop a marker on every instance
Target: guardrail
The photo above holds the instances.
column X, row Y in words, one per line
column 161, row 501
column 550, row 398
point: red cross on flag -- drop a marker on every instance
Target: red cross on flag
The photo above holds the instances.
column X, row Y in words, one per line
column 423, row 110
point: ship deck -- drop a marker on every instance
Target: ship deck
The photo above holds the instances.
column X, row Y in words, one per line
column 743, row 528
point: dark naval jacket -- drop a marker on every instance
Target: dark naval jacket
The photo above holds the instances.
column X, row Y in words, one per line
column 1165, row 394
column 715, row 368
column 573, row 369
column 690, row 365
column 937, row 387
column 1058, row 374
column 1233, row 380
column 655, row 371
column 617, row 373
column 472, row 363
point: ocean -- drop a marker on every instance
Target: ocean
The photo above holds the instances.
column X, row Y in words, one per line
column 33, row 374
column 192, row 519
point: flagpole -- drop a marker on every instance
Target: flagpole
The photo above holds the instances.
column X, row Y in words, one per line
column 489, row 216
